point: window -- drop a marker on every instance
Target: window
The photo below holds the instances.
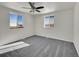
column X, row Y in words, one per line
column 20, row 21
column 48, row 21
column 16, row 21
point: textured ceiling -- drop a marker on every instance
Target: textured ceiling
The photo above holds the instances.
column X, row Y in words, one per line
column 49, row 6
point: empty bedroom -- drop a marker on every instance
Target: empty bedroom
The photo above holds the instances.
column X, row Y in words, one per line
column 39, row 29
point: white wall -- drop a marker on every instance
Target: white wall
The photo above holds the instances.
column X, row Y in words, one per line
column 9, row 35
column 76, row 27
column 34, row 25
column 63, row 28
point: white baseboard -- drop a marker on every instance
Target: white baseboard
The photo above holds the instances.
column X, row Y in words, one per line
column 76, row 47
column 53, row 38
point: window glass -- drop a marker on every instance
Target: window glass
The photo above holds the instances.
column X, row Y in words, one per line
column 48, row 21
column 16, row 21
column 13, row 20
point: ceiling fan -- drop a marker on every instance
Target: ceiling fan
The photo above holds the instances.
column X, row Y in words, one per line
column 33, row 8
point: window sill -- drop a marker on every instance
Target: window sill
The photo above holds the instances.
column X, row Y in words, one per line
column 16, row 27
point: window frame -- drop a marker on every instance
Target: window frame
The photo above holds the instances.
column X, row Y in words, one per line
column 50, row 18
column 18, row 25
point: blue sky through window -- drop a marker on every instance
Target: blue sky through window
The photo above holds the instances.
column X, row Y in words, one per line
column 16, row 20
column 20, row 20
column 13, row 20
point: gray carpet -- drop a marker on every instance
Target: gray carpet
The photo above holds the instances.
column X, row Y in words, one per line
column 44, row 47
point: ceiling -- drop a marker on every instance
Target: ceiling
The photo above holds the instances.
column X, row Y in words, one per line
column 48, row 6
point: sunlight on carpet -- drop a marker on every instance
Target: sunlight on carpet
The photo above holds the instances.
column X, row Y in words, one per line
column 12, row 47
